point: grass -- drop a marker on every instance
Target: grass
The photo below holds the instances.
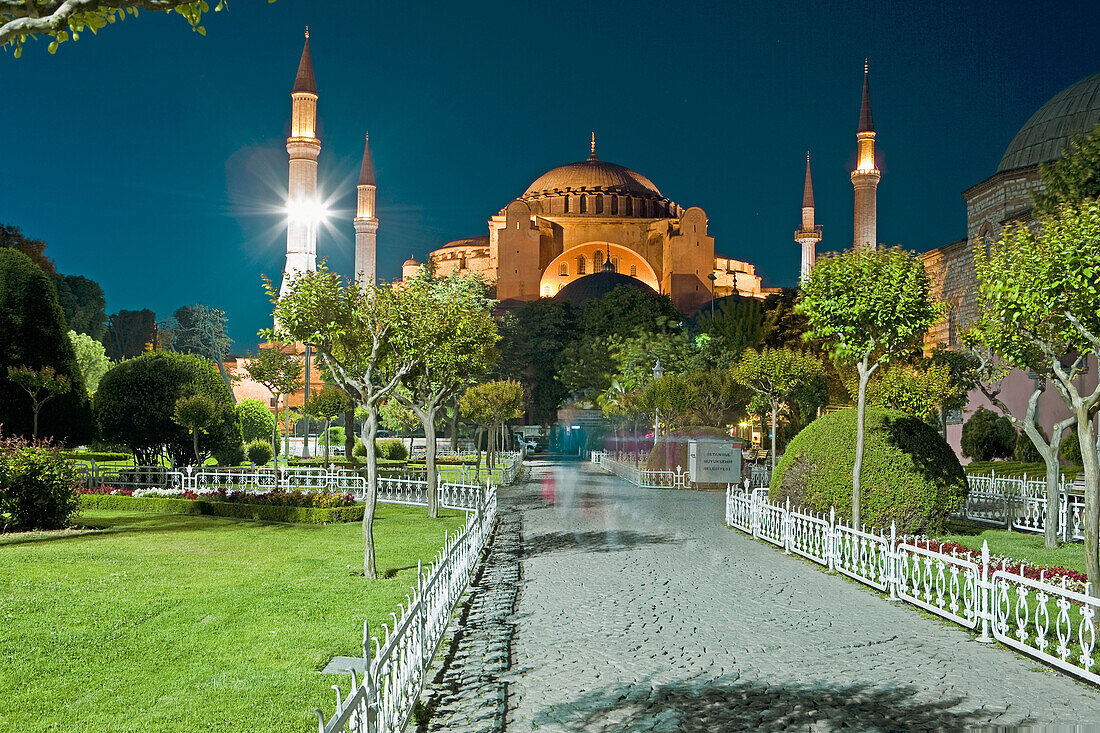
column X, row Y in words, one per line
column 1015, row 468
column 186, row 623
column 1022, row 546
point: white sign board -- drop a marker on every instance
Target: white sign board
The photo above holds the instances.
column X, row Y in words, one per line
column 714, row 461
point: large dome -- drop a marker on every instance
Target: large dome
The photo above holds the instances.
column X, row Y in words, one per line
column 1043, row 138
column 597, row 285
column 590, row 175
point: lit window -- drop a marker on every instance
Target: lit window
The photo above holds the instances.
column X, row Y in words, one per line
column 563, row 269
column 597, row 261
column 580, row 265
column 634, row 271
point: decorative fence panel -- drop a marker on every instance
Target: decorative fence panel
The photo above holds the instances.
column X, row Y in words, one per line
column 1054, row 624
column 1020, row 503
column 629, row 467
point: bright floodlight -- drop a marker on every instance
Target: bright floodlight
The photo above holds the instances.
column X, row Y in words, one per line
column 308, row 211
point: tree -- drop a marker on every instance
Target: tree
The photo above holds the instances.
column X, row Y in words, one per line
column 281, row 372
column 488, row 405
column 352, row 327
column 325, row 405
column 532, row 339
column 870, row 306
column 61, row 20
column 399, row 419
column 12, row 237
column 672, row 398
column 129, row 333
column 785, row 326
column 33, row 334
column 634, row 357
column 201, row 330
column 41, row 385
column 986, row 436
column 136, row 401
column 446, row 331
column 719, row 399
column 1038, row 292
column 918, row 392
column 91, row 358
column 83, row 303
column 775, row 375
column 196, row 412
column 256, row 421
column 736, row 325
column 1074, row 178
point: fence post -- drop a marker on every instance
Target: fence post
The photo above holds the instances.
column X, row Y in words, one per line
column 985, row 596
column 785, row 527
column 423, row 619
column 892, row 562
column 832, row 538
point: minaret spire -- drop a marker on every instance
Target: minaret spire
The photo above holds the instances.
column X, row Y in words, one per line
column 866, row 176
column 810, row 233
column 592, row 148
column 366, row 223
column 304, row 207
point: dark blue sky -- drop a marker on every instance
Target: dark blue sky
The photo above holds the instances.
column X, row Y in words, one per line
column 152, row 159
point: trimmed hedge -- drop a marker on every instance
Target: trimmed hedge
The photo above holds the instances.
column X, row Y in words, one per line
column 910, row 475
column 97, row 456
column 296, row 514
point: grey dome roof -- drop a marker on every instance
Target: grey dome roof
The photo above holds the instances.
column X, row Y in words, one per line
column 1073, row 111
column 592, row 174
column 597, row 285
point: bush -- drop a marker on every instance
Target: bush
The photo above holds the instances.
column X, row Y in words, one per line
column 230, row 456
column 391, row 450
column 910, row 475
column 336, row 436
column 986, row 436
column 1070, row 450
column 256, row 420
column 38, row 486
column 236, row 510
column 259, row 452
column 360, row 450
column 1025, row 451
column 98, row 456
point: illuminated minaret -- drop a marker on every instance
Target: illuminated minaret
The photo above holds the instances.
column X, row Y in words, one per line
column 303, row 207
column 810, row 234
column 866, row 176
column 366, row 223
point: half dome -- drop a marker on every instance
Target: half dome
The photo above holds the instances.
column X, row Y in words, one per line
column 592, row 174
column 1073, row 111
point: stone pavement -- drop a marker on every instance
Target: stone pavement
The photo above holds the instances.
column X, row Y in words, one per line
column 638, row 610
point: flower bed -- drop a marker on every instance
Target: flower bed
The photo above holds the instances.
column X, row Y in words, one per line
column 314, row 499
column 1074, row 579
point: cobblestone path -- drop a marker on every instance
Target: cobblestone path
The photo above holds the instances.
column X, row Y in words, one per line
column 639, row 610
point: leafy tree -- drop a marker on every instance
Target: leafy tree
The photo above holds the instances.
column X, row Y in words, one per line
column 736, row 325
column 281, row 372
column 12, row 237
column 352, row 326
column 918, row 392
column 196, row 412
column 1038, row 292
column 130, row 333
column 870, row 306
column 399, row 419
column 1074, row 178
column 986, row 436
column 256, row 421
column 963, row 373
column 719, row 399
column 83, row 303
column 201, row 330
column 446, row 330
column 62, row 20
column 41, row 385
column 33, row 334
column 325, row 405
column 136, row 402
column 785, row 326
column 775, row 375
column 489, row 405
column 91, row 357
column 532, row 339
column 672, row 398
column 635, row 356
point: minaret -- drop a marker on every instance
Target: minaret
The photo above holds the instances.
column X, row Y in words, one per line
column 810, row 234
column 366, row 223
column 303, row 207
column 866, row 176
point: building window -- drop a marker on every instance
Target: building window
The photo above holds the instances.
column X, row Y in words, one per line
column 584, row 203
column 615, row 264
column 580, row 265
column 614, row 205
column 597, row 261
column 634, row 271
column 629, row 206
column 599, row 203
column 565, row 204
column 563, row 269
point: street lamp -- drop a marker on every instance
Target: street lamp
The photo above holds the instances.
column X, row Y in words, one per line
column 658, row 372
column 713, row 278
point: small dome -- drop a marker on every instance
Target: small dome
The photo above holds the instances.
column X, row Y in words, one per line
column 411, row 262
column 597, row 285
column 1073, row 111
column 591, row 174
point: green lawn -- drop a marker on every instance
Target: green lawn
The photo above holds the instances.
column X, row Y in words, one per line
column 1023, row 546
column 1015, row 468
column 186, row 623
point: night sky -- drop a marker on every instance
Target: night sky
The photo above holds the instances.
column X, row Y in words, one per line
column 152, row 159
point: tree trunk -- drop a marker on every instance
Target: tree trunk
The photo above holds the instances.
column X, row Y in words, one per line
column 428, row 420
column 228, row 382
column 349, row 434
column 34, row 433
column 775, row 408
column 328, row 421
column 477, row 449
column 1090, row 464
column 454, row 425
column 1053, row 470
column 286, row 431
column 861, row 410
column 371, row 499
column 275, row 443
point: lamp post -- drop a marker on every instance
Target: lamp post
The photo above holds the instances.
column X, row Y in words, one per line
column 713, row 278
column 658, row 372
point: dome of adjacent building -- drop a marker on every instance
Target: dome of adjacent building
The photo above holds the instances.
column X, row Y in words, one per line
column 1043, row 138
column 592, row 174
column 597, row 285
column 411, row 262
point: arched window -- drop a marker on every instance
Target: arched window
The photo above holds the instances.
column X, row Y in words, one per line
column 581, row 265
column 615, row 264
column 599, row 203
column 634, row 271
column 597, row 261
column 584, row 203
column 563, row 269
column 565, row 204
column 628, row 206
column 614, row 205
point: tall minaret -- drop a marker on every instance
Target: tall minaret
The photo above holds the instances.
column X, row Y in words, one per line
column 366, row 223
column 810, row 234
column 866, row 176
column 303, row 207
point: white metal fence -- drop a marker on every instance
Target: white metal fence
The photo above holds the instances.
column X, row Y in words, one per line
column 384, row 699
column 1020, row 503
column 630, row 467
column 1049, row 622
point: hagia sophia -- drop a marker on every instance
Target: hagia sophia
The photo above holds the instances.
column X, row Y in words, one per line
column 582, row 228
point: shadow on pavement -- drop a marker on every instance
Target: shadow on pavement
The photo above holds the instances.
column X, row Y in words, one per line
column 598, row 541
column 758, row 705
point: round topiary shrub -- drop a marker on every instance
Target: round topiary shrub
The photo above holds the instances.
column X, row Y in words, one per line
column 1025, row 451
column 38, row 486
column 259, row 452
column 391, row 450
column 986, row 436
column 910, row 475
column 256, row 420
column 360, row 450
column 1070, row 450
